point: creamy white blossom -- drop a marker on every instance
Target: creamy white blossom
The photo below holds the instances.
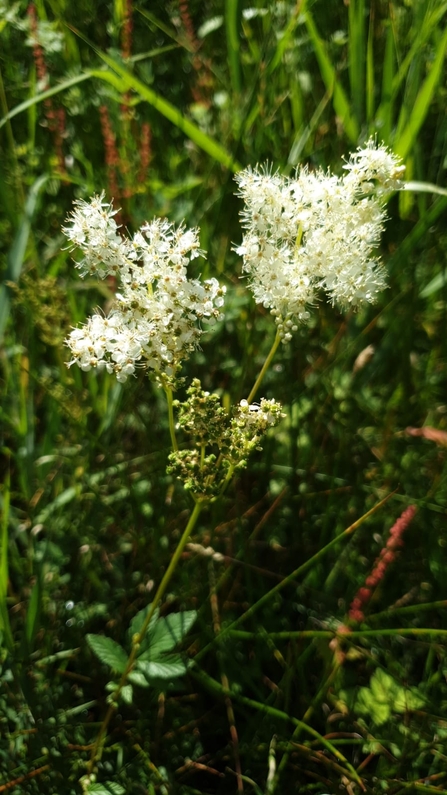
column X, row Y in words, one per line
column 315, row 231
column 374, row 168
column 156, row 318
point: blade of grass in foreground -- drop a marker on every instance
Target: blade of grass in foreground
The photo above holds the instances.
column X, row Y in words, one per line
column 17, row 252
column 216, row 687
column 4, row 618
column 429, row 25
column 34, row 100
column 169, row 111
column 384, row 118
column 405, row 141
column 370, row 76
column 356, row 44
column 412, row 632
column 417, row 234
column 290, row 577
column 329, row 75
column 232, row 22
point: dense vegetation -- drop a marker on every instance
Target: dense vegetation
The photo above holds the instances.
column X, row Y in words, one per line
column 299, row 645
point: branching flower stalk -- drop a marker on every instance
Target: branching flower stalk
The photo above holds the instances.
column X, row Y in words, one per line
column 315, row 232
column 303, row 235
column 170, row 402
column 265, row 367
column 154, row 322
column 138, row 639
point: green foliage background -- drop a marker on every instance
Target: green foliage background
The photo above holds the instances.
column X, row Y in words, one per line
column 89, row 517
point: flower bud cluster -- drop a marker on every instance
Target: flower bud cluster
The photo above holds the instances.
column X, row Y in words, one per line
column 230, row 439
column 155, row 319
column 248, row 425
column 315, row 231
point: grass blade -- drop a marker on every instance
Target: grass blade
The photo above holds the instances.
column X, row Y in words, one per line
column 424, row 31
column 73, row 81
column 32, row 622
column 356, row 43
column 329, row 75
column 370, row 71
column 406, row 140
column 17, row 252
column 284, row 41
column 232, row 25
column 385, row 110
column 4, row 617
column 169, row 111
column 264, row 708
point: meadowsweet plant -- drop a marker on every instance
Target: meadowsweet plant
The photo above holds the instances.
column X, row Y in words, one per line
column 304, row 236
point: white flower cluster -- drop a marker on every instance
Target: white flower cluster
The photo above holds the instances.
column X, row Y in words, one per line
column 252, row 415
column 315, row 231
column 249, row 424
column 154, row 321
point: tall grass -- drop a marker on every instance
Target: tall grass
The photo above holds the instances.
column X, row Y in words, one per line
column 283, row 694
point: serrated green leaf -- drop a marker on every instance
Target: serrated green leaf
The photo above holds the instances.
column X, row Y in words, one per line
column 107, row 788
column 385, row 696
column 167, row 633
column 108, row 651
column 436, row 284
column 408, row 699
column 127, row 694
column 137, row 678
column 382, row 686
column 169, row 667
column 138, row 621
column 367, row 704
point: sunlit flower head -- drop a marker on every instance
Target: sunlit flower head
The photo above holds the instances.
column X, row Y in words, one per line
column 315, row 231
column 156, row 320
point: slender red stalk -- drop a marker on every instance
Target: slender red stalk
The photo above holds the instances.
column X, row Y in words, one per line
column 55, row 118
column 126, row 52
column 188, row 25
column 111, row 151
column 145, row 151
column 126, row 35
column 59, row 135
column 386, row 557
column 200, row 66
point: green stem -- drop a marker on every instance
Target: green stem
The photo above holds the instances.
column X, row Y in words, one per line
column 169, row 398
column 408, row 609
column 332, row 633
column 217, row 688
column 136, row 641
column 228, row 478
column 290, row 577
column 265, row 367
column 298, row 729
column 12, row 146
